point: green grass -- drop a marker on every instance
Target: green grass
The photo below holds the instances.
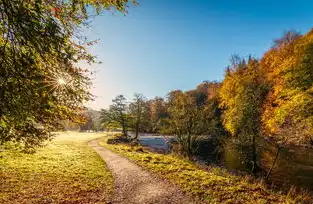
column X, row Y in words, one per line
column 214, row 186
column 64, row 171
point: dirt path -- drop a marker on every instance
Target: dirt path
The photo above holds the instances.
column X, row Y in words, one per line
column 134, row 185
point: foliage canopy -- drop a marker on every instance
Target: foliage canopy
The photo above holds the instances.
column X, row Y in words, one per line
column 41, row 82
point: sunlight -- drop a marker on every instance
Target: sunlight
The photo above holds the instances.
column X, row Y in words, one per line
column 61, row 81
column 58, row 81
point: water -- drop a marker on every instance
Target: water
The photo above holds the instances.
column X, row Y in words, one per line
column 294, row 166
column 154, row 142
column 158, row 143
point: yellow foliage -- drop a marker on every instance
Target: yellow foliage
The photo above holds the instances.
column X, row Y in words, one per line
column 289, row 105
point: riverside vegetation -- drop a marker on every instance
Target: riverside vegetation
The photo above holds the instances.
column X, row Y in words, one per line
column 256, row 120
column 210, row 184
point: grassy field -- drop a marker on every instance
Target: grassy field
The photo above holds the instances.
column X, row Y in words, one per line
column 64, row 171
column 214, row 186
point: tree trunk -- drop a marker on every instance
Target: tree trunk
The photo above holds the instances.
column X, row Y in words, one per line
column 137, row 131
column 124, row 130
column 273, row 164
column 254, row 155
column 189, row 143
column 217, row 155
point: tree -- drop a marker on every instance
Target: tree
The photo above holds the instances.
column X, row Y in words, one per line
column 186, row 121
column 117, row 113
column 146, row 124
column 287, row 38
column 242, row 95
column 41, row 82
column 288, row 110
column 88, row 124
column 158, row 108
column 92, row 120
column 137, row 109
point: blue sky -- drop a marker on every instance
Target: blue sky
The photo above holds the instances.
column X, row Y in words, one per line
column 163, row 45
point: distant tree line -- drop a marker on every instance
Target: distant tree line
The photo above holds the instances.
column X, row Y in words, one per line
column 259, row 102
column 188, row 115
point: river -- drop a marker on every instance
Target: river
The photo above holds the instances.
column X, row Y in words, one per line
column 294, row 165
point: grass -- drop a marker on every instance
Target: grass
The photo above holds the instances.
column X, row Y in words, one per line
column 215, row 185
column 64, row 171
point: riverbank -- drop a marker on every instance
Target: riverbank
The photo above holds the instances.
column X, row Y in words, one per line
column 214, row 185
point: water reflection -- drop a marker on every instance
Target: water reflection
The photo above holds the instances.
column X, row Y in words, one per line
column 294, row 165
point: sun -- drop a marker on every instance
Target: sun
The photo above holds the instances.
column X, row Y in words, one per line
column 58, row 82
column 61, row 81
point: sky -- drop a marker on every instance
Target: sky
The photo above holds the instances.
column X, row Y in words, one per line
column 164, row 45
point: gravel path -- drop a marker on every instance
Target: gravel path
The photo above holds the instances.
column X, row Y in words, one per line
column 134, row 185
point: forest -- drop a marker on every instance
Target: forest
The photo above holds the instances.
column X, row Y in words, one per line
column 255, row 120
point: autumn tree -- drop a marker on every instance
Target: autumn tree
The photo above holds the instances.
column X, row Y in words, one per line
column 159, row 112
column 288, row 110
column 187, row 121
column 242, row 95
column 41, row 80
column 88, row 123
column 146, row 124
column 91, row 120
